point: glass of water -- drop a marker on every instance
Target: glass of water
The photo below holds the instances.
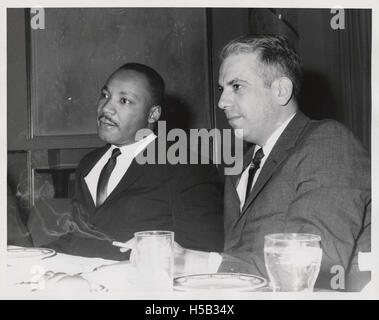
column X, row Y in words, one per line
column 154, row 260
column 292, row 261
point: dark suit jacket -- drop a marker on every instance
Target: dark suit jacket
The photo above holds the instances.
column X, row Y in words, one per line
column 186, row 199
column 316, row 180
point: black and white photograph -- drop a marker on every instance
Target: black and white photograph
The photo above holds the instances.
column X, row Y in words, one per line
column 192, row 152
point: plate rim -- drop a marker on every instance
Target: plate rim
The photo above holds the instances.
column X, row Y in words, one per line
column 51, row 252
column 180, row 287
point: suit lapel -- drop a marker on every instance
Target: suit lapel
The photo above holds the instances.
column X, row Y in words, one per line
column 91, row 163
column 278, row 155
column 231, row 183
column 236, row 178
column 134, row 172
column 88, row 167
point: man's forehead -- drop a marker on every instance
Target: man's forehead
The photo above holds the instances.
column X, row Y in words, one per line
column 128, row 75
column 129, row 80
column 239, row 66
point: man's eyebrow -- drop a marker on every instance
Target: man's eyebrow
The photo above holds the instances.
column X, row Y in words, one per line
column 128, row 93
column 104, row 88
column 233, row 81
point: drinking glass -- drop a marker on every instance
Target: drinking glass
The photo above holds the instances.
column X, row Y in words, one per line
column 292, row 261
column 154, row 259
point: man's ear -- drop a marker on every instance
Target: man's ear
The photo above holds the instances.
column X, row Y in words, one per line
column 154, row 114
column 282, row 89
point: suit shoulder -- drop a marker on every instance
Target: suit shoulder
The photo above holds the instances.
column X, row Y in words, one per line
column 328, row 141
column 89, row 156
column 328, row 127
column 329, row 132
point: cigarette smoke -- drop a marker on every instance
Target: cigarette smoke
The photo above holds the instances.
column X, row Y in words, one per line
column 75, row 220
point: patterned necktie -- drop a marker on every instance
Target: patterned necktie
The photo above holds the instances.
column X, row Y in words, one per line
column 254, row 166
column 102, row 185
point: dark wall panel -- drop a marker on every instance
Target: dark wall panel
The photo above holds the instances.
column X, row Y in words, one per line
column 79, row 48
column 17, row 119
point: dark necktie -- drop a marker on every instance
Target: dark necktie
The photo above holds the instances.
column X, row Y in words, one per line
column 254, row 166
column 102, row 184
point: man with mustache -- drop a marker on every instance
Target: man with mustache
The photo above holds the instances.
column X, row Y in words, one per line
column 117, row 196
column 299, row 176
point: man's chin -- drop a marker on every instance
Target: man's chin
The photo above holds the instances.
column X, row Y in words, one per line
column 113, row 139
column 107, row 137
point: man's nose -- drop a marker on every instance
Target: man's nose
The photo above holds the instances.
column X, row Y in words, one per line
column 107, row 107
column 224, row 101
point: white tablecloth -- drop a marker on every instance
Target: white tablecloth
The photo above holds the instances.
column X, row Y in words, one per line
column 25, row 276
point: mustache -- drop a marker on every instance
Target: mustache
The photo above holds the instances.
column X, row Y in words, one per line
column 105, row 118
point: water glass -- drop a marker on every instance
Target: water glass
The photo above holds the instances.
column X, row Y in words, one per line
column 292, row 261
column 154, row 260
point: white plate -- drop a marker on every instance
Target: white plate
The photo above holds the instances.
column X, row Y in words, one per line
column 29, row 253
column 237, row 282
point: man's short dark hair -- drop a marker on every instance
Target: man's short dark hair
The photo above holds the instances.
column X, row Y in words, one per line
column 275, row 52
column 155, row 81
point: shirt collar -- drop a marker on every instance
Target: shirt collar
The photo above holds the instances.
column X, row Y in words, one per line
column 135, row 147
column 274, row 137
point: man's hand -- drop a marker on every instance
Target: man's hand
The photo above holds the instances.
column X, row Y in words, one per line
column 191, row 261
column 186, row 261
column 125, row 247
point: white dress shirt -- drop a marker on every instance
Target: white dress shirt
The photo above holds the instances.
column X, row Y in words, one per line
column 215, row 259
column 242, row 185
column 124, row 160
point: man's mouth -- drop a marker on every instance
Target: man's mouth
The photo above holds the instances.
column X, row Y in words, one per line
column 232, row 118
column 105, row 121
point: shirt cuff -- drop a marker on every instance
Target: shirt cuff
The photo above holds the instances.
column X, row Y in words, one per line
column 214, row 262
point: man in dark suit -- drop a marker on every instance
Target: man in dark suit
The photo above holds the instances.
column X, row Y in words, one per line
column 299, row 176
column 183, row 198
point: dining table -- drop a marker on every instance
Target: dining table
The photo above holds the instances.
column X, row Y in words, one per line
column 44, row 273
column 39, row 273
